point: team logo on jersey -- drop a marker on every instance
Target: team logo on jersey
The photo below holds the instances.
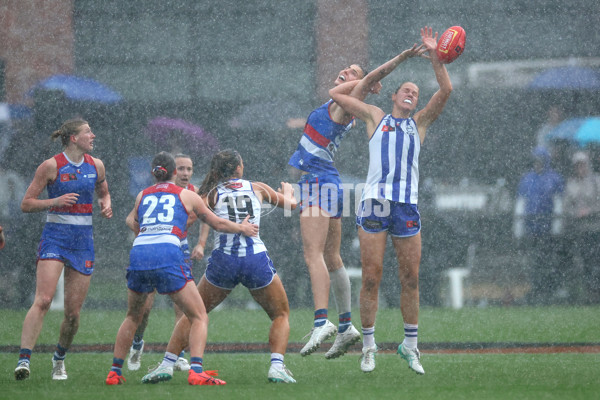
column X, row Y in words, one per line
column 387, row 128
column 409, row 129
column 234, row 185
column 68, row 177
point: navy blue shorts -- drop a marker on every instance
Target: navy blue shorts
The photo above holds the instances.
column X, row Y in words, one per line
column 225, row 271
column 164, row 280
column 81, row 260
column 399, row 219
column 323, row 191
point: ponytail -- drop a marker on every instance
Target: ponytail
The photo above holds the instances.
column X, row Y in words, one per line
column 69, row 128
column 222, row 168
column 163, row 166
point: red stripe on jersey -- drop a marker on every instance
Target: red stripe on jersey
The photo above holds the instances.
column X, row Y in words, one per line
column 177, row 232
column 61, row 160
column 89, row 159
column 74, row 209
column 316, row 136
column 163, row 188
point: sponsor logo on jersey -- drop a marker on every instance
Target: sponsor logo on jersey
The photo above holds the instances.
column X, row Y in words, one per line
column 156, row 229
column 68, row 177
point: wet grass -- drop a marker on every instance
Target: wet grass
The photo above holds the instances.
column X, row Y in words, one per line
column 462, row 376
column 456, row 376
column 436, row 325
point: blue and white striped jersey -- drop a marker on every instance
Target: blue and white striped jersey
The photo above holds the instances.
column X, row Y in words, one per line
column 394, row 161
column 235, row 200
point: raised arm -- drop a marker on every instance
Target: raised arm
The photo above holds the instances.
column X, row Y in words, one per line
column 425, row 117
column 371, row 82
column 368, row 113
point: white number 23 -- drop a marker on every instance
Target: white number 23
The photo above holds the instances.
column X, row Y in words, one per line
column 167, row 203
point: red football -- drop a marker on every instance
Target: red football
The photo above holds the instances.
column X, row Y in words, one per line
column 451, row 44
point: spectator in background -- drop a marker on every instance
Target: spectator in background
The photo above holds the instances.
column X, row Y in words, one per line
column 554, row 116
column 582, row 209
column 2, row 240
column 18, row 283
column 536, row 210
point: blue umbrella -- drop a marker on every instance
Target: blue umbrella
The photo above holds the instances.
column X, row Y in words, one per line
column 566, row 78
column 581, row 131
column 79, row 88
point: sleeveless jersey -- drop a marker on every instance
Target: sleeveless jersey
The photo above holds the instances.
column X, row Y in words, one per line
column 162, row 218
column 394, row 161
column 319, row 142
column 235, row 200
column 71, row 227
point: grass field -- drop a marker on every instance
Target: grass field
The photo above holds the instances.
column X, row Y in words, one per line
column 448, row 376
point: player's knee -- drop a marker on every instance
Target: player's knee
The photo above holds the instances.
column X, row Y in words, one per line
column 370, row 283
column 42, row 303
column 72, row 318
column 410, row 282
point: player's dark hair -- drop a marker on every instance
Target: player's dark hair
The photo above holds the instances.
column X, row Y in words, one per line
column 182, row 155
column 222, row 168
column 364, row 70
column 163, row 166
column 69, row 128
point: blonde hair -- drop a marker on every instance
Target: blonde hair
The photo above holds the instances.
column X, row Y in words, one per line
column 69, row 128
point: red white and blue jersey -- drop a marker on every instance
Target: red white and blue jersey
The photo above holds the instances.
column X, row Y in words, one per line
column 71, row 227
column 394, row 161
column 319, row 142
column 235, row 200
column 163, row 222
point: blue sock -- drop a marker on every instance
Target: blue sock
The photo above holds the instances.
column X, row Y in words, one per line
column 344, row 322
column 196, row 364
column 138, row 342
column 25, row 355
column 320, row 317
column 117, row 365
column 59, row 353
column 182, row 354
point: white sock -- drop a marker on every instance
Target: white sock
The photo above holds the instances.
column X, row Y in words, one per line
column 340, row 282
column 410, row 335
column 277, row 360
column 368, row 337
column 169, row 360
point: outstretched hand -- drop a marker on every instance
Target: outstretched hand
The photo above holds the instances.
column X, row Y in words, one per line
column 416, row 51
column 429, row 40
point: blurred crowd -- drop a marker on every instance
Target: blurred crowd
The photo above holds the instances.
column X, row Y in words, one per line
column 557, row 218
